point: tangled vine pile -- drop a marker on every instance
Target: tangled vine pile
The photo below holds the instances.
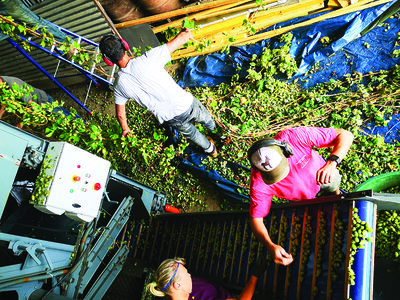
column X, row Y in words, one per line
column 248, row 109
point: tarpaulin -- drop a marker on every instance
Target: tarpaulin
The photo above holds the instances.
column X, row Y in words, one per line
column 307, row 48
column 390, row 132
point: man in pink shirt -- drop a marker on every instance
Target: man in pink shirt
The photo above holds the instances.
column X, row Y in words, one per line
column 288, row 167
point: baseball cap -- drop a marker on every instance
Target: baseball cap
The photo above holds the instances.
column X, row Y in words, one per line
column 271, row 163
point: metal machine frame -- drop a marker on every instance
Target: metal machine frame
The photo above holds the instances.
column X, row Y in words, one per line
column 53, row 255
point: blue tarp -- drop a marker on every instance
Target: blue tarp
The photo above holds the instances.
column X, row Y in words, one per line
column 348, row 52
column 307, row 49
column 390, row 132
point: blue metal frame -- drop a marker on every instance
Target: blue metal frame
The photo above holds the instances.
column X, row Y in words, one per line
column 86, row 72
column 90, row 75
column 364, row 258
column 22, row 51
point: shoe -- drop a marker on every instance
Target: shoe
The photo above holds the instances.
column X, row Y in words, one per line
column 214, row 152
column 222, row 137
column 226, row 139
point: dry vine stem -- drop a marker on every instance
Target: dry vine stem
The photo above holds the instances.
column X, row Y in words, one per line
column 361, row 5
column 279, row 125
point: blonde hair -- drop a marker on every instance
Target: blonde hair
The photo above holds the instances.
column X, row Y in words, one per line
column 163, row 276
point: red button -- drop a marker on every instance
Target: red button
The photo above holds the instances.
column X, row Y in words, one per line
column 76, row 178
column 97, row 186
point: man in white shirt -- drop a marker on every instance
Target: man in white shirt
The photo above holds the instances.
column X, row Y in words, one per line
column 145, row 80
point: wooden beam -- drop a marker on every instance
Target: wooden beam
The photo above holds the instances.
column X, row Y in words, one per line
column 361, row 5
column 217, row 32
column 176, row 12
column 344, row 3
column 199, row 16
column 339, row 12
column 223, row 10
column 334, row 3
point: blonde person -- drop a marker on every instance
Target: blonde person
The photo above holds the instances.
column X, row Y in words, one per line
column 173, row 281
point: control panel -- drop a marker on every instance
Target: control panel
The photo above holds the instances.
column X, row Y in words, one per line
column 71, row 181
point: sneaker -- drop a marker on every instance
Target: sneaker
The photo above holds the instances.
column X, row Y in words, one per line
column 225, row 139
column 221, row 136
column 214, row 152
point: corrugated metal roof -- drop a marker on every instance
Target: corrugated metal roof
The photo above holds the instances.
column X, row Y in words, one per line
column 30, row 3
column 79, row 16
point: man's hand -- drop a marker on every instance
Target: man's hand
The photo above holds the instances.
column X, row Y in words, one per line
column 183, row 37
column 341, row 146
column 326, row 173
column 126, row 132
column 280, row 256
column 121, row 117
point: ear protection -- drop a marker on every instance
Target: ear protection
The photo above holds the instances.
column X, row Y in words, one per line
column 286, row 149
column 124, row 44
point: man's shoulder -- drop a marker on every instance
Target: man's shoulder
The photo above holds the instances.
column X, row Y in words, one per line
column 290, row 134
column 298, row 137
column 302, row 131
column 307, row 137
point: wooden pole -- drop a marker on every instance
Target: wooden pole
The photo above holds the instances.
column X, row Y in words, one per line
column 223, row 10
column 258, row 37
column 197, row 17
column 337, row 13
column 109, row 22
column 216, row 32
column 175, row 13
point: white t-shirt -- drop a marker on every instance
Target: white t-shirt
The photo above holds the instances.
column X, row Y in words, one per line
column 145, row 81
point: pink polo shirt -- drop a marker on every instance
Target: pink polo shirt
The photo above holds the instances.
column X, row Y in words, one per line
column 301, row 182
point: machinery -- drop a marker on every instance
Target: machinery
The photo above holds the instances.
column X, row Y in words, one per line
column 321, row 234
column 69, row 223
column 62, row 211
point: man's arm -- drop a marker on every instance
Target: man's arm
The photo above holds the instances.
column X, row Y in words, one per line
column 121, row 117
column 341, row 146
column 279, row 255
column 183, row 37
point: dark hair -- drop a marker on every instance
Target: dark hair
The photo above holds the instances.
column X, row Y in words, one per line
column 112, row 48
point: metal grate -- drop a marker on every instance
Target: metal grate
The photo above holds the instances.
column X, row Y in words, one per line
column 222, row 245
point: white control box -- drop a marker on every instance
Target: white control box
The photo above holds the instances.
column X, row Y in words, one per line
column 71, row 181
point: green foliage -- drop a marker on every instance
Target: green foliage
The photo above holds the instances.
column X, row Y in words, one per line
column 186, row 23
column 249, row 27
column 83, row 57
column 360, row 235
column 388, row 235
column 247, row 109
column 43, row 181
column 388, row 231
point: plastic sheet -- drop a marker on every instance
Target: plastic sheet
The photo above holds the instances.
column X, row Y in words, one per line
column 390, row 133
column 307, row 49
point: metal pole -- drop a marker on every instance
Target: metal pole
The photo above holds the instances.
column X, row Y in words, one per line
column 364, row 258
column 47, row 74
column 85, row 72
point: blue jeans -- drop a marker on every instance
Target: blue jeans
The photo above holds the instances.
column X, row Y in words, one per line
column 23, row 14
column 197, row 113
